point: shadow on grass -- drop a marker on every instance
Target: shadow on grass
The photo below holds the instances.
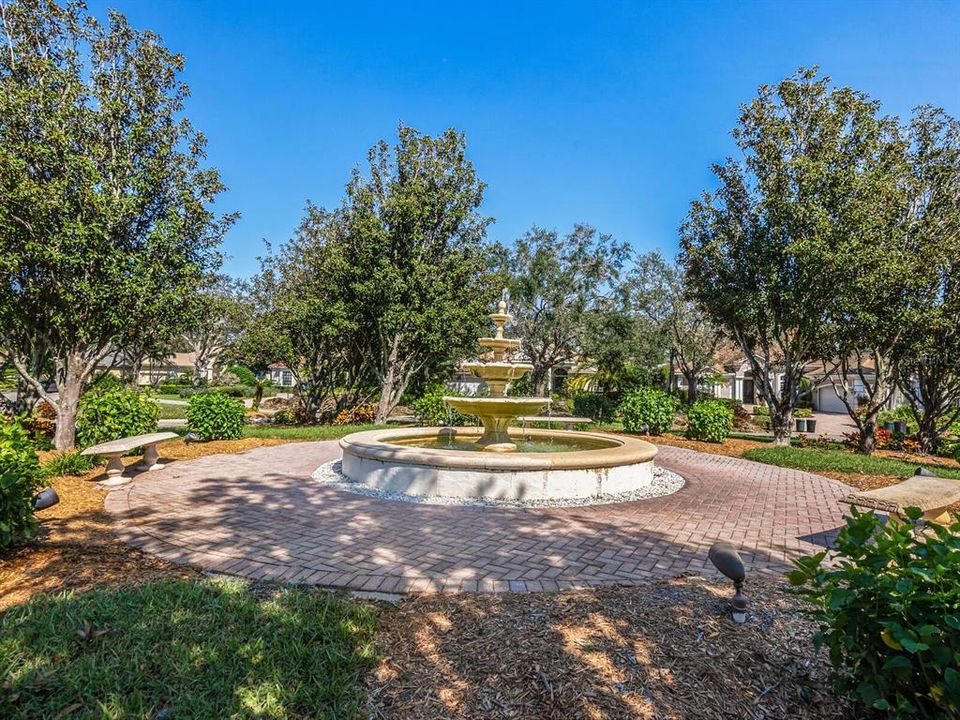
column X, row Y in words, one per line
column 196, row 648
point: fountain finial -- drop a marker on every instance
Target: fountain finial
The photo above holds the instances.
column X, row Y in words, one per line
column 504, row 300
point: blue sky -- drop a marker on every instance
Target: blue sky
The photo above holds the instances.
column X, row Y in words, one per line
column 605, row 113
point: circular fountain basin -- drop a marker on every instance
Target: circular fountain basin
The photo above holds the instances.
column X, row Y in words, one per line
column 548, row 464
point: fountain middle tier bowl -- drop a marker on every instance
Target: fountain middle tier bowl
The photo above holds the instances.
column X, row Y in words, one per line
column 548, row 464
column 504, row 407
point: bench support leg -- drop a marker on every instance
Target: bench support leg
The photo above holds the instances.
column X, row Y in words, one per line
column 151, row 459
column 115, row 469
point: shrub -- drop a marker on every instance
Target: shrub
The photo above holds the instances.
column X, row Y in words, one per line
column 114, row 414
column 214, row 416
column 803, row 412
column 41, row 424
column 285, row 416
column 359, row 415
column 901, row 412
column 244, row 375
column 19, row 476
column 761, row 410
column 889, row 613
column 430, row 408
column 649, row 410
column 709, row 420
column 67, row 463
column 596, row 406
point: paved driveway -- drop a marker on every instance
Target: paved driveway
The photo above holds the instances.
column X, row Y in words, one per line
column 260, row 515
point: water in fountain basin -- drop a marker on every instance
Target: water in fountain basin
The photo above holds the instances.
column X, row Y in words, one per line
column 528, row 444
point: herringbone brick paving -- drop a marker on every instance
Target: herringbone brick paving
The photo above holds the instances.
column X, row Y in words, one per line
column 260, row 515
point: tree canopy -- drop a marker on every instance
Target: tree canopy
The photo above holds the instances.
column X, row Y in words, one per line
column 105, row 202
column 765, row 252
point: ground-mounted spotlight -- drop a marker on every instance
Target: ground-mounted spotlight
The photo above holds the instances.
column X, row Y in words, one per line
column 45, row 499
column 727, row 560
column 191, row 437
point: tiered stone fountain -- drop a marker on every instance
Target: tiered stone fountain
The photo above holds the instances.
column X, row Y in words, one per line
column 498, row 412
column 500, row 462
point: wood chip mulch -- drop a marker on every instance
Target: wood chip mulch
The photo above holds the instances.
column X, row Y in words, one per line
column 76, row 549
column 667, row 650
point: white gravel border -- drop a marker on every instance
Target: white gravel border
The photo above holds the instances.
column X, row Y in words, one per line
column 664, row 482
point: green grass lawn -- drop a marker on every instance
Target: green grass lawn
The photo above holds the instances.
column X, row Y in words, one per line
column 168, row 412
column 186, row 649
column 844, row 461
column 307, row 432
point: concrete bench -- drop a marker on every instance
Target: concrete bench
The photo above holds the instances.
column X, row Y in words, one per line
column 115, row 448
column 924, row 490
column 566, row 421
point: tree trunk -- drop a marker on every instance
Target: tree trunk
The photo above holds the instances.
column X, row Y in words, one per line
column 927, row 432
column 26, row 397
column 868, row 433
column 258, row 396
column 538, row 380
column 780, row 419
column 69, row 389
column 691, row 388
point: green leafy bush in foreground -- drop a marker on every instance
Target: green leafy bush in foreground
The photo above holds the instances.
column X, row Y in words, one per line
column 889, row 613
column 186, row 649
column 709, row 420
column 19, row 476
column 213, row 416
column 649, row 410
column 113, row 414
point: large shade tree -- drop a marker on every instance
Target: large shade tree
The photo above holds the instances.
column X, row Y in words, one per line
column 930, row 368
column 663, row 303
column 760, row 251
column 559, row 284
column 105, row 203
column 414, row 262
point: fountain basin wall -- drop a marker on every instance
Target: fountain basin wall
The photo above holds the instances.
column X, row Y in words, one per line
column 609, row 465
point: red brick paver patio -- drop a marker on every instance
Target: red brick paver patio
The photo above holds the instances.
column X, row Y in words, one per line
column 260, row 515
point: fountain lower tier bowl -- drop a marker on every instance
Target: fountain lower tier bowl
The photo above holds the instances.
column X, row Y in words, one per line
column 548, row 464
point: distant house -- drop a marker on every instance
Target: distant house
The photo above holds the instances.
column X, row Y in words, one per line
column 155, row 371
column 281, row 375
column 734, row 379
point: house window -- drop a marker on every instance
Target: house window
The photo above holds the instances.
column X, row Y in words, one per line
column 286, row 378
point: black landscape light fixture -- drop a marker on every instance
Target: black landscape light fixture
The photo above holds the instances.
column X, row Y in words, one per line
column 45, row 499
column 726, row 559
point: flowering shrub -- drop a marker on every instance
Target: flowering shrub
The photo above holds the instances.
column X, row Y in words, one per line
column 359, row 415
column 649, row 410
column 19, row 476
column 709, row 420
column 889, row 613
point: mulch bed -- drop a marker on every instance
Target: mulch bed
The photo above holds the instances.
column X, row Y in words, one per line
column 76, row 549
column 667, row 650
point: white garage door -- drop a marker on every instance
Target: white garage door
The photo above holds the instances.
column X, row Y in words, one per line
column 827, row 401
